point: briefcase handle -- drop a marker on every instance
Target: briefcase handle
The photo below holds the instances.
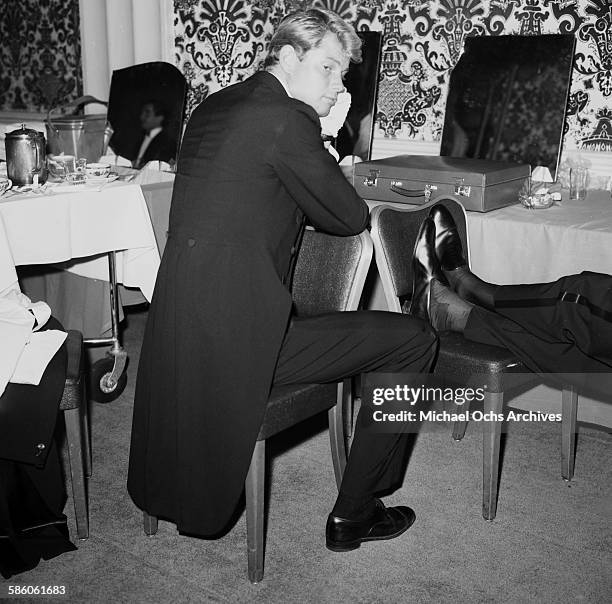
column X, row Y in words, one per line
column 396, row 187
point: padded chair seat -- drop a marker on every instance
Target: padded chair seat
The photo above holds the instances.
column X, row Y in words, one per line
column 462, row 359
column 289, row 405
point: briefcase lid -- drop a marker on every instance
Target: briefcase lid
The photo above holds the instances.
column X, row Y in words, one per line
column 444, row 170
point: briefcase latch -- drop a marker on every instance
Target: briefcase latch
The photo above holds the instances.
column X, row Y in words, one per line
column 371, row 179
column 462, row 189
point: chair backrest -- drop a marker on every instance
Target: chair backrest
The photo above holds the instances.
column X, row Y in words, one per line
column 136, row 85
column 394, row 232
column 330, row 272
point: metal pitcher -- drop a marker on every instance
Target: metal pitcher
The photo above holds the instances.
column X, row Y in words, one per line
column 25, row 156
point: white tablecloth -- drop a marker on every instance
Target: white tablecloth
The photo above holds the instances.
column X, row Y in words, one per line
column 515, row 245
column 82, row 227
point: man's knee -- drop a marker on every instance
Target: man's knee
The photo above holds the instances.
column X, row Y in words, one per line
column 417, row 333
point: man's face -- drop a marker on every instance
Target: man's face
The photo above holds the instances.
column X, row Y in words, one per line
column 148, row 119
column 316, row 79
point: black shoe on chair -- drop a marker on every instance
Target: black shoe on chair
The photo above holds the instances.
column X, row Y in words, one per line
column 449, row 249
column 425, row 267
column 344, row 535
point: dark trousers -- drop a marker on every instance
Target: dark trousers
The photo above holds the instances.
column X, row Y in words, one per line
column 550, row 335
column 334, row 346
column 32, row 493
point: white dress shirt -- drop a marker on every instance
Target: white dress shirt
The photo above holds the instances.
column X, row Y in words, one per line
column 146, row 142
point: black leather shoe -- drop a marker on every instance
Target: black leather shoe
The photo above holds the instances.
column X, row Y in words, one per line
column 344, row 535
column 425, row 267
column 449, row 249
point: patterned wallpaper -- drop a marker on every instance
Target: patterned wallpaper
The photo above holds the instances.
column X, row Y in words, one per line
column 40, row 54
column 219, row 42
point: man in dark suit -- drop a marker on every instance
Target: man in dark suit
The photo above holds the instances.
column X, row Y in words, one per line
column 562, row 328
column 155, row 144
column 220, row 333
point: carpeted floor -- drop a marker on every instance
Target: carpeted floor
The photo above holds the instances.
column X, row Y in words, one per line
column 550, row 542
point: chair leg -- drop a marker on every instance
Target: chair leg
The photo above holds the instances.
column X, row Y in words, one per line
column 86, row 432
column 254, row 491
column 149, row 523
column 74, row 439
column 459, row 427
column 569, row 410
column 493, row 403
column 336, row 431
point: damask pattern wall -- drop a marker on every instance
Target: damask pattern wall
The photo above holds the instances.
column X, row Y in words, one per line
column 40, row 54
column 219, row 42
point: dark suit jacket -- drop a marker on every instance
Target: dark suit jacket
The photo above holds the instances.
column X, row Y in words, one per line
column 251, row 165
column 28, row 413
column 162, row 148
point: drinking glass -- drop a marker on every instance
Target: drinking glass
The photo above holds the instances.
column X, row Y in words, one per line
column 579, row 180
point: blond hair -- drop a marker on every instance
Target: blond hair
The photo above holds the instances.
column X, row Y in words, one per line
column 305, row 30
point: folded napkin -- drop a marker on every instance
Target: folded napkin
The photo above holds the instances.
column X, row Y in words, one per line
column 36, row 355
column 23, row 357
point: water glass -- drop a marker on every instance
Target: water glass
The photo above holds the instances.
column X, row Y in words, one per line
column 579, row 180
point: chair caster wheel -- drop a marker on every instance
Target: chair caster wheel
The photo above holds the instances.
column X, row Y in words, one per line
column 99, row 388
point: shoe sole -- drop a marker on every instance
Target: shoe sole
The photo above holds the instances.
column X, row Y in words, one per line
column 412, row 310
column 352, row 545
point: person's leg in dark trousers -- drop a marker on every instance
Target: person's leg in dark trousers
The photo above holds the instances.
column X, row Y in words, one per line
column 566, row 320
column 334, row 346
column 550, row 335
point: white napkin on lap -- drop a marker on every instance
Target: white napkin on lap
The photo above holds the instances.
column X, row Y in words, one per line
column 16, row 324
column 36, row 355
column 24, row 355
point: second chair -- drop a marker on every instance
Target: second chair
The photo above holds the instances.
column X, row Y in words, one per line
column 394, row 232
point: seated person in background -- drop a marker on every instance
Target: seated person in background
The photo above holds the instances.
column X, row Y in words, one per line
column 563, row 327
column 156, row 144
column 220, row 331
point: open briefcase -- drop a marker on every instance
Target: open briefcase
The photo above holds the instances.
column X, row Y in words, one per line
column 480, row 185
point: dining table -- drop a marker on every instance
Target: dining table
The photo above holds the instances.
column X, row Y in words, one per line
column 515, row 245
column 57, row 239
column 78, row 226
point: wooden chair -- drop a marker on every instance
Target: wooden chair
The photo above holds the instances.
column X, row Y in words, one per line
column 329, row 276
column 394, row 231
column 74, row 407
